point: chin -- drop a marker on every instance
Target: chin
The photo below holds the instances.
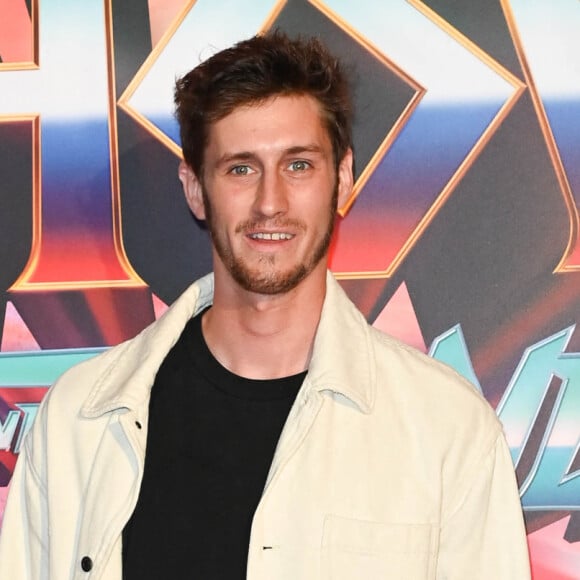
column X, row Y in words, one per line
column 271, row 283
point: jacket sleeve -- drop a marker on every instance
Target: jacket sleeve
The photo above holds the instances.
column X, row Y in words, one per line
column 483, row 535
column 24, row 533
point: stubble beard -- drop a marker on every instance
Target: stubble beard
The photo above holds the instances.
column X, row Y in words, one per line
column 269, row 281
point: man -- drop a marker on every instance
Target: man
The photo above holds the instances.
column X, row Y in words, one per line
column 261, row 427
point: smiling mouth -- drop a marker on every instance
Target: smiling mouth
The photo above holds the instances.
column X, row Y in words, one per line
column 271, row 236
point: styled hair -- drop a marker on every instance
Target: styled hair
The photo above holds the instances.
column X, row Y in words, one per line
column 252, row 71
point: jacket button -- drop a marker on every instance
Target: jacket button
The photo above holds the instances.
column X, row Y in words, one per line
column 86, row 564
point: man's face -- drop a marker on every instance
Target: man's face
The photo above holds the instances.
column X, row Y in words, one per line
column 269, row 193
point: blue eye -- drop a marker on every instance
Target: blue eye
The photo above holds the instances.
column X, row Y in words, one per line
column 299, row 165
column 240, row 170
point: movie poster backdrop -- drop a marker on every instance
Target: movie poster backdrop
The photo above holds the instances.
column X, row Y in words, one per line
column 460, row 238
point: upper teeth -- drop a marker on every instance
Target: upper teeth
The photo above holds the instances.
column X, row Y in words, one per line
column 274, row 236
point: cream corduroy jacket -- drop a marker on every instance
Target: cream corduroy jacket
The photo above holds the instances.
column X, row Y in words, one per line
column 390, row 466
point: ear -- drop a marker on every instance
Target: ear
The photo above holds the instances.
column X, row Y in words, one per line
column 345, row 178
column 193, row 190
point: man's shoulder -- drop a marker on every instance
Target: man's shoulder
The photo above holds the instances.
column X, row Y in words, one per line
column 73, row 387
column 123, row 374
column 395, row 376
column 427, row 387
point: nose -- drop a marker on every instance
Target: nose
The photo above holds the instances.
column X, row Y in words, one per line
column 271, row 195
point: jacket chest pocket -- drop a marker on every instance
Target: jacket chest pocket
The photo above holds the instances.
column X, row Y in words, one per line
column 356, row 549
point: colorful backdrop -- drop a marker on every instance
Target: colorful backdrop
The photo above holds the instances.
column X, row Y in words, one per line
column 461, row 236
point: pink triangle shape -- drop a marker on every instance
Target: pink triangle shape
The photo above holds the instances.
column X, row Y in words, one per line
column 159, row 307
column 398, row 319
column 162, row 14
column 16, row 336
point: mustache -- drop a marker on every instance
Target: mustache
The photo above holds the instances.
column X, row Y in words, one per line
column 253, row 225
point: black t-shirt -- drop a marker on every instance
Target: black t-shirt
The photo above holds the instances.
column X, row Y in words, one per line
column 211, row 439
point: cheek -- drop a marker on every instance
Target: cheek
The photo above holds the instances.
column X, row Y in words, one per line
column 319, row 207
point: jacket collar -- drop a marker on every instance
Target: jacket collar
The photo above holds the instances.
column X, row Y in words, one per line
column 341, row 358
column 343, row 353
column 129, row 373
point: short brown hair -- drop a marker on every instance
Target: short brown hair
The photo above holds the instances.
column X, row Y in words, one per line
column 252, row 71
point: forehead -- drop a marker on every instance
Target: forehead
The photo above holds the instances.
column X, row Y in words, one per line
column 277, row 123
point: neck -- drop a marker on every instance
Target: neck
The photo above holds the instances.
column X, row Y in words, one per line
column 260, row 336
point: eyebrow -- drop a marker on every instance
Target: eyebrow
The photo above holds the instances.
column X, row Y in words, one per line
column 239, row 156
column 304, row 149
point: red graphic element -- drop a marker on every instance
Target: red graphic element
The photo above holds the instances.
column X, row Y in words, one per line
column 573, row 259
column 16, row 34
column 89, row 258
column 388, row 230
column 553, row 558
